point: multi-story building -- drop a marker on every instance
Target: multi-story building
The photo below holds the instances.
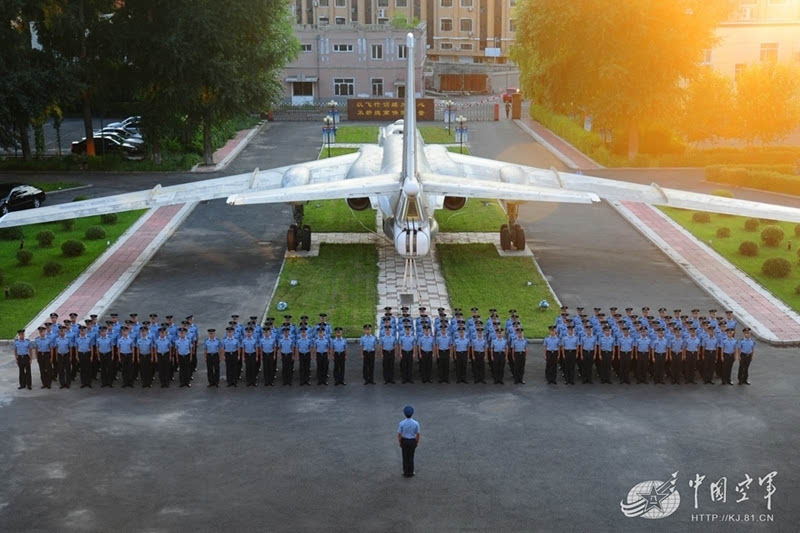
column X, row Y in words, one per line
column 757, row 30
column 339, row 61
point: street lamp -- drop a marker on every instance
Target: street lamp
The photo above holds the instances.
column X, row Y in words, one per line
column 328, row 132
column 448, row 113
column 461, row 132
column 333, row 110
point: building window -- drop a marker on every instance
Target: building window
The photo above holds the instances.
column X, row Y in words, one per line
column 340, row 3
column 466, row 3
column 512, row 25
column 340, row 20
column 445, row 46
column 402, row 51
column 737, row 71
column 465, row 24
column 383, row 21
column 446, row 24
column 377, row 51
column 305, row 47
column 383, row 3
column 377, row 86
column 323, row 3
column 323, row 21
column 466, row 47
column 512, row 3
column 447, row 3
column 400, row 3
column 769, row 51
column 342, row 47
column 707, row 56
column 302, row 88
column 343, row 86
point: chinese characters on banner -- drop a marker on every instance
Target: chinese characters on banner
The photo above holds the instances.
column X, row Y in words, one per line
column 386, row 108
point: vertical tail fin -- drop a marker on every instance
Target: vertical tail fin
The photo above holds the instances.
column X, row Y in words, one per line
column 410, row 119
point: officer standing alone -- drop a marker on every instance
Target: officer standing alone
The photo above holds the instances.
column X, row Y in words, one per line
column 408, row 436
column 746, row 350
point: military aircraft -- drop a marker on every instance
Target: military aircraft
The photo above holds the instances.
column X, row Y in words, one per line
column 407, row 181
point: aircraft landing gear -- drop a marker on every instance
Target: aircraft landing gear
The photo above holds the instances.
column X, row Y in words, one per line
column 298, row 237
column 512, row 235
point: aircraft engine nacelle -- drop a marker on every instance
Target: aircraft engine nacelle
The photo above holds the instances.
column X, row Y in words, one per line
column 454, row 203
column 359, row 204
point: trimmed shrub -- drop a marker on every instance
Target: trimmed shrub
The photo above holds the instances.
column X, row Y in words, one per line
column 51, row 268
column 748, row 248
column 797, row 290
column 109, row 218
column 751, row 224
column 11, row 234
column 68, row 224
column 80, row 198
column 772, row 236
column 24, row 257
column 45, row 238
column 797, row 230
column 73, row 248
column 723, row 233
column 701, row 217
column 776, row 267
column 94, row 233
column 21, row 290
column 723, row 193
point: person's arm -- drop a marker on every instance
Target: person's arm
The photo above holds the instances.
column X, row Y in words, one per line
column 418, row 436
column 399, row 439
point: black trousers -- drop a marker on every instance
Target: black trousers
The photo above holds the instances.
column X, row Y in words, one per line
column 305, row 368
column 45, row 368
column 269, row 362
column 660, row 367
column 727, row 367
column 426, row 366
column 388, row 366
column 642, row 363
column 624, row 367
column 232, row 368
column 550, row 365
column 718, row 364
column 406, row 365
column 604, row 370
column 85, row 359
column 744, row 367
column 164, row 369
column 479, row 367
column 408, row 446
column 146, row 368
column 74, row 368
column 64, row 369
column 461, row 366
column 127, row 369
column 106, row 368
column 587, row 358
column 212, row 369
column 690, row 366
column 251, row 368
column 498, row 365
column 569, row 366
column 443, row 366
column 709, row 363
column 24, row 364
column 322, row 368
column 676, row 366
column 185, row 369
column 368, row 366
column 287, row 367
column 338, row 367
column 519, row 365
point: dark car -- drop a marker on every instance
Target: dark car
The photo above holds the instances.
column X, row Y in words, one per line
column 102, row 145
column 15, row 196
column 509, row 93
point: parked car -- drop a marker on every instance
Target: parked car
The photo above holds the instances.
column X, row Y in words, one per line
column 510, row 92
column 104, row 145
column 133, row 139
column 133, row 124
column 122, row 132
column 17, row 196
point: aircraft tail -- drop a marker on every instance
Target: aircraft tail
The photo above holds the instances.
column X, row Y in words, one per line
column 410, row 119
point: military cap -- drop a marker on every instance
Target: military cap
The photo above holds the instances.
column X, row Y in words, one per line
column 126, row 328
column 456, row 309
column 462, row 328
column 40, row 328
column 422, row 308
column 712, row 310
column 323, row 315
column 730, row 329
column 443, row 326
column 387, row 308
column 168, row 317
column 337, row 329
column 387, row 326
column 440, row 309
column 473, row 309
column 153, row 315
column 570, row 326
column 283, row 330
column 745, row 330
column 248, row 328
column 404, row 308
column 728, row 312
column 115, row 315
column 144, row 326
column 109, row 321
column 234, row 316
column 407, row 325
column 129, row 322
column 662, row 309
column 48, row 323
column 512, row 311
column 564, row 307
column 73, row 314
column 551, row 328
column 20, row 331
column 695, row 310
column 190, row 317
column 54, row 314
column 303, row 328
column 479, row 329
column 596, row 308
column 183, row 330
column 184, row 322
column 62, row 327
column 367, row 326
column 579, row 308
column 87, row 321
column 612, row 308
column 645, row 308
column 304, row 317
column 626, row 328
column 211, row 330
column 492, row 310
column 287, row 317
column 426, row 326
column 103, row 328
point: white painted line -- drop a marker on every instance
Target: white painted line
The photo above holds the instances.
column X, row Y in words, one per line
column 274, row 290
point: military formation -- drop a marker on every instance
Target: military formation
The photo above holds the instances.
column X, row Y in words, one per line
column 631, row 346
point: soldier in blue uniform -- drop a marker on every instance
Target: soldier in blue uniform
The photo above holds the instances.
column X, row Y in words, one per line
column 268, row 356
column 606, row 345
column 22, row 355
column 691, row 348
column 499, row 354
column 730, row 322
column 250, row 353
column 569, row 353
column 232, row 349
column 183, row 350
column 388, row 344
column 586, row 351
column 212, row 348
column 677, row 354
column 288, row 354
column 729, row 346
column 84, row 345
column 442, row 350
column 145, row 356
column 408, row 351
column 477, row 354
column 642, row 350
column 367, row 344
column 125, row 345
column 461, row 345
column 303, row 347
column 105, row 353
column 426, row 343
column 660, row 347
column 745, row 351
column 164, row 353
column 321, row 348
column 519, row 349
column 64, row 348
column 709, row 355
column 339, row 349
column 44, row 356
column 551, row 346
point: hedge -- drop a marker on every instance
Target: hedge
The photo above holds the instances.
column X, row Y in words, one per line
column 21, row 290
column 24, row 257
column 51, row 268
column 45, row 238
column 713, row 172
column 748, row 248
column 765, row 180
column 72, row 248
column 776, row 267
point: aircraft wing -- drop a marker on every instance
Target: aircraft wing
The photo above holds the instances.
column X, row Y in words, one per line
column 318, row 172
column 472, row 188
column 349, row 188
column 499, row 173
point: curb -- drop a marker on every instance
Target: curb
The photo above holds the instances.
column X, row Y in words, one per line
column 553, row 150
column 233, row 153
column 70, row 189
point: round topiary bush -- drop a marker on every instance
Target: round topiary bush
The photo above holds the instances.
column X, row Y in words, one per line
column 776, row 267
column 723, row 193
column 11, row 234
column 45, row 238
column 24, row 257
column 701, row 217
column 751, row 224
column 80, row 198
column 95, row 232
column 68, row 224
column 51, row 268
column 797, row 230
column 109, row 218
column 748, row 248
column 723, row 233
column 21, row 290
column 73, row 248
column 772, row 236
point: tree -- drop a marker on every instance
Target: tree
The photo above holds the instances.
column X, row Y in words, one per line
column 621, row 62
column 768, row 101
column 709, row 107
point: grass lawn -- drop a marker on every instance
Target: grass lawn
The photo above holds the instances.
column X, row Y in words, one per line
column 170, row 162
column 369, row 134
column 56, row 185
column 437, row 134
column 471, row 273
column 729, row 248
column 342, row 281
column 476, row 215
column 335, row 151
column 327, row 216
column 17, row 313
column 458, row 150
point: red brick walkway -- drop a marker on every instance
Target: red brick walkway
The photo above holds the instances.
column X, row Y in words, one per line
column 762, row 308
column 93, row 288
column 561, row 145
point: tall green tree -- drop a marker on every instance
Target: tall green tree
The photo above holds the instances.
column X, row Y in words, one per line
column 767, row 101
column 623, row 62
column 709, row 107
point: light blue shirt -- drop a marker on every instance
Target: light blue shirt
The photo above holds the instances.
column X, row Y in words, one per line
column 729, row 345
column 479, row 344
column 84, row 344
column 570, row 342
column 63, row 344
column 367, row 343
column 499, row 344
column 321, row 344
column 407, row 342
column 408, row 428
column 23, row 346
column 519, row 344
column 286, row 345
column 461, row 345
column 163, row 345
column 104, row 344
column 551, row 343
column 607, row 343
column 660, row 345
column 692, row 343
column 145, row 344
column 268, row 344
column 43, row 344
column 746, row 346
column 589, row 342
column 443, row 342
column 183, row 346
column 643, row 344
column 212, row 345
column 303, row 345
column 125, row 345
column 231, row 344
column 250, row 345
column 676, row 344
column 426, row 342
column 339, row 345
column 387, row 342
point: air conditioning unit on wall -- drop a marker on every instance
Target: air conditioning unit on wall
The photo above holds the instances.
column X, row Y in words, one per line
column 382, row 13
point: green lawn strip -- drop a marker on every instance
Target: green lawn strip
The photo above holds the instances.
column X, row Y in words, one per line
column 783, row 288
column 342, row 281
column 476, row 215
column 472, row 271
column 335, row 151
column 369, row 134
column 459, row 150
column 17, row 313
column 170, row 162
column 327, row 216
column 56, row 185
column 437, row 134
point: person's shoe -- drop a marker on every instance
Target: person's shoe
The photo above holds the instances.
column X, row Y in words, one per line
column 29, row 387
column 21, row 387
column 43, row 386
column 746, row 382
column 189, row 385
column 521, row 382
